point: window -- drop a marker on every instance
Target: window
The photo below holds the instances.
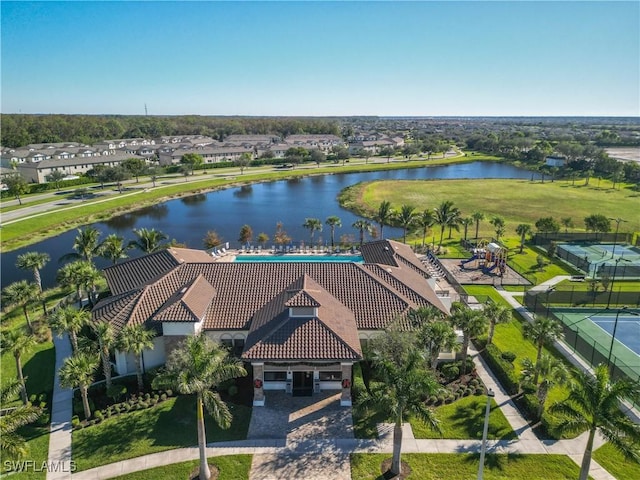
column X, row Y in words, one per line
column 275, row 376
column 330, row 376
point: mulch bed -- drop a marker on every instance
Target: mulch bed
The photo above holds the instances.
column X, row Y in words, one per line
column 195, row 473
column 387, row 475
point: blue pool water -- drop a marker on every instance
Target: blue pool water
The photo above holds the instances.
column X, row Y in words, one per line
column 299, row 258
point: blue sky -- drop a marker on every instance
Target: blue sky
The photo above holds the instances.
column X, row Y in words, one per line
column 322, row 58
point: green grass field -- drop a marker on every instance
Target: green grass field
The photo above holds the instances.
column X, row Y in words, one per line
column 231, row 467
column 517, row 201
column 615, row 463
column 172, row 424
column 438, row 466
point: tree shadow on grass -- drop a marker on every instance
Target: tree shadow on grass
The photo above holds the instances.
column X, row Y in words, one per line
column 493, row 461
column 469, row 417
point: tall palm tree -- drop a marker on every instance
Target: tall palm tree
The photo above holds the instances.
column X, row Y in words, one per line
column 362, row 226
column 34, row 261
column 472, row 323
column 106, row 342
column 496, row 314
column 199, row 366
column 113, row 248
column 149, row 240
column 85, row 244
column 18, row 343
column 334, row 222
column 402, row 388
column 423, row 315
column 594, row 404
column 523, row 229
column 312, row 224
column 425, row 221
column 465, row 222
column 552, row 371
column 383, row 216
column 542, row 331
column 135, row 339
column 21, row 293
column 437, row 336
column 406, row 217
column 443, row 215
column 78, row 371
column 78, row 274
column 498, row 226
column 477, row 217
column 12, row 445
column 455, row 221
column 70, row 320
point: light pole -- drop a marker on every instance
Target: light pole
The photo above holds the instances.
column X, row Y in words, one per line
column 613, row 278
column 615, row 237
column 483, row 449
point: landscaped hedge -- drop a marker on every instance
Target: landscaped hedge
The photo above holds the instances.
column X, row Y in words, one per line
column 501, row 368
column 45, row 187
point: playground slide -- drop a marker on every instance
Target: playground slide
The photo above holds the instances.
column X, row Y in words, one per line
column 490, row 269
column 464, row 262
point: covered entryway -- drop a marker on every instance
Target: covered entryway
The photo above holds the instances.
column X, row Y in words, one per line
column 302, row 384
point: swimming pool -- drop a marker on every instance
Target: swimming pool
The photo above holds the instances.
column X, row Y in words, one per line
column 299, row 258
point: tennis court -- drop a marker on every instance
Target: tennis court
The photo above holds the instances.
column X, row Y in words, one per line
column 602, row 259
column 594, row 329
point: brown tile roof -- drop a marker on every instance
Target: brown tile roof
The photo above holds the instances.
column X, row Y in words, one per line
column 243, row 296
column 189, row 255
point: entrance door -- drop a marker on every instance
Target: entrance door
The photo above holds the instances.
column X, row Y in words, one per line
column 302, row 384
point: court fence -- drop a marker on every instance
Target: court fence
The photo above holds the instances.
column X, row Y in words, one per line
column 541, row 301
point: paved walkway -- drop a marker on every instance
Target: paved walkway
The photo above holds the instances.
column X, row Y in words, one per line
column 61, row 413
column 307, row 438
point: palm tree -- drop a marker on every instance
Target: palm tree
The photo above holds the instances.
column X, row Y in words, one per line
column 362, row 226
column 113, row 248
column 333, row 221
column 523, row 229
column 472, row 323
column 402, row 388
column 498, row 225
column 465, row 222
column 541, row 332
column 383, row 215
column 135, row 339
column 85, row 244
column 199, row 366
column 78, row 274
column 455, row 221
column 34, row 261
column 312, row 224
column 106, row 342
column 406, row 217
column 425, row 221
column 13, row 446
column 567, row 223
column 149, row 240
column 552, row 370
column 477, row 217
column 21, row 293
column 594, row 404
column 443, row 216
column 438, row 336
column 496, row 314
column 78, row 372
column 18, row 343
column 70, row 320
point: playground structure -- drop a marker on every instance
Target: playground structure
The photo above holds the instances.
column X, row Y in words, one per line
column 488, row 259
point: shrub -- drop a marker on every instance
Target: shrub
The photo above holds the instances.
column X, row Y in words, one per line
column 75, row 421
column 501, row 368
column 508, row 356
column 143, row 405
column 126, row 406
column 116, row 392
column 156, row 397
column 163, row 397
column 169, row 393
column 479, row 391
column 450, row 371
column 147, row 397
column 232, row 391
column 98, row 415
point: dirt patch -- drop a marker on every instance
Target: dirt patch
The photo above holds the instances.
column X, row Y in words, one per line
column 387, row 475
column 195, row 473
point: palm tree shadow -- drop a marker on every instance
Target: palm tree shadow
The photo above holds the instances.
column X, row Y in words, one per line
column 494, row 461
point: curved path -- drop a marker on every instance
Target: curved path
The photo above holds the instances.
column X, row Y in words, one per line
column 318, row 457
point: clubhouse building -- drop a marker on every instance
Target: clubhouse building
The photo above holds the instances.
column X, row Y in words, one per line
column 301, row 325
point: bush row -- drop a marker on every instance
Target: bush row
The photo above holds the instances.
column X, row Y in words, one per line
column 134, row 403
column 501, row 367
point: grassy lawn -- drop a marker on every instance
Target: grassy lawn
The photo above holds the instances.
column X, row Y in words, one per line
column 26, row 232
column 517, row 201
column 464, row 419
column 615, row 463
column 231, row 467
column 172, row 424
column 437, row 466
